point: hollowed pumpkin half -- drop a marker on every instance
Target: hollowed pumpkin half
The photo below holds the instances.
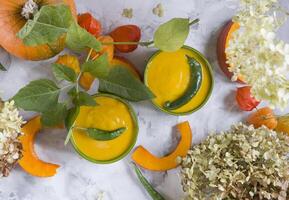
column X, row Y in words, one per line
column 11, row 21
column 30, row 161
column 223, row 42
column 145, row 159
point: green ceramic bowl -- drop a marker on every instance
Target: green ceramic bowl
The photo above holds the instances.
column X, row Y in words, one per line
column 129, row 148
column 207, row 65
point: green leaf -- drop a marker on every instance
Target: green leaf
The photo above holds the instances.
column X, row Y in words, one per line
column 84, row 99
column 69, row 121
column 102, row 135
column 40, row 96
column 2, row 68
column 62, row 72
column 54, row 116
column 78, row 39
column 172, row 35
column 51, row 22
column 122, row 83
column 72, row 92
column 99, row 68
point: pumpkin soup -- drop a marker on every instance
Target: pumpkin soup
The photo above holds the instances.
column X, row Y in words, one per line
column 111, row 113
column 169, row 74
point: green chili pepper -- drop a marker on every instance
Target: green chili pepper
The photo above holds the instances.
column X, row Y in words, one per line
column 149, row 188
column 102, row 135
column 193, row 88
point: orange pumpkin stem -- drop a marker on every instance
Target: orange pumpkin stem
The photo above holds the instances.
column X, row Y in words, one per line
column 145, row 159
column 30, row 161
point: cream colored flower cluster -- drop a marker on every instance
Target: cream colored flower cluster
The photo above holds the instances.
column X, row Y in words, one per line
column 242, row 163
column 257, row 55
column 10, row 129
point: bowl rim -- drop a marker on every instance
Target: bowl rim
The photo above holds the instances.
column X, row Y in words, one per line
column 130, row 147
column 211, row 73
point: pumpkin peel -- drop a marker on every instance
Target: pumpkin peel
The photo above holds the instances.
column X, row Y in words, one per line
column 147, row 160
column 30, row 161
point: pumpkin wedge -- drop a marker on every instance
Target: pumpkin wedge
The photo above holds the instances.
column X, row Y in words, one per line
column 145, row 159
column 11, row 21
column 30, row 161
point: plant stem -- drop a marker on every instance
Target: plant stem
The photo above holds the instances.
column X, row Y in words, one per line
column 89, row 54
column 129, row 43
column 79, row 128
column 194, row 21
column 81, row 71
column 67, row 86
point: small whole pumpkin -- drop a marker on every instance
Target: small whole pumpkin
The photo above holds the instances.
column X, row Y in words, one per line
column 263, row 117
column 13, row 17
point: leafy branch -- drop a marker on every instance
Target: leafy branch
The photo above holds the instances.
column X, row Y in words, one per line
column 54, row 21
column 170, row 36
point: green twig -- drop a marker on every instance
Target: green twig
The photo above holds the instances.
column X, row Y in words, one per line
column 194, row 21
column 129, row 43
column 81, row 70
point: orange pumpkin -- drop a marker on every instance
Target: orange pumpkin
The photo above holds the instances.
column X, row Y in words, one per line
column 30, row 161
column 148, row 161
column 70, row 61
column 11, row 21
column 263, row 117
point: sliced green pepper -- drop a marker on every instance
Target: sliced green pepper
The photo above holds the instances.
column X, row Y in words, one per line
column 149, row 188
column 193, row 87
column 102, row 135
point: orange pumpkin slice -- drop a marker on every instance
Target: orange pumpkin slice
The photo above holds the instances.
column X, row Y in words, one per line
column 145, row 159
column 30, row 161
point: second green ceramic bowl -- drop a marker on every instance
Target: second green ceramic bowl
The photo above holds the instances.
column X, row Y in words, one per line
column 208, row 66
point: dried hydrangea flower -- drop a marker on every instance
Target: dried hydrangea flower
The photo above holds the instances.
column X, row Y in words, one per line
column 243, row 163
column 257, row 55
column 127, row 12
column 158, row 10
column 10, row 129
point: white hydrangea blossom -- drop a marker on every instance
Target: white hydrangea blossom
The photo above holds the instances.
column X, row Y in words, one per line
column 257, row 55
column 10, row 129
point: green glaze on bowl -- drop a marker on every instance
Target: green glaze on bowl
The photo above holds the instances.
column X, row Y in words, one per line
column 121, row 156
column 207, row 65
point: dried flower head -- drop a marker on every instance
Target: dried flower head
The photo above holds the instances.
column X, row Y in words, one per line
column 257, row 55
column 10, row 129
column 127, row 12
column 158, row 10
column 243, row 163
